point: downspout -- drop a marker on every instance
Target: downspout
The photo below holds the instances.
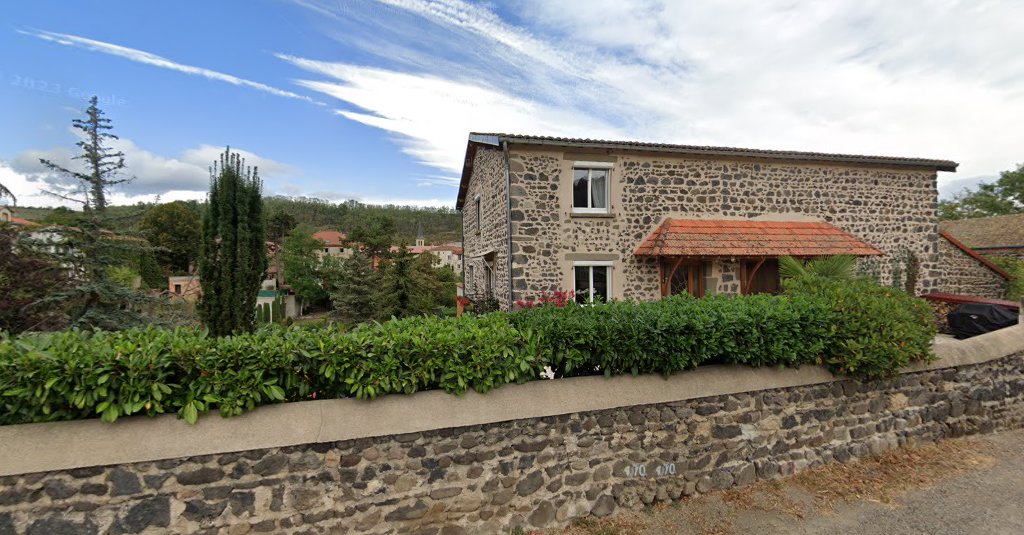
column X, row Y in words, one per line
column 508, row 217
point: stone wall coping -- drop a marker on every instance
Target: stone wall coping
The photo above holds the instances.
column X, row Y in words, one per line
column 29, row 448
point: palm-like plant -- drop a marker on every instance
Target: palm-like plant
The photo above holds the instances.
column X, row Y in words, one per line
column 839, row 267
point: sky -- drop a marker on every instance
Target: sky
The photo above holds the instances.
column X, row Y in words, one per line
column 373, row 99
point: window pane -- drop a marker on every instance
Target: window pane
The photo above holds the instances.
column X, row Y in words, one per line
column 579, row 188
column 598, row 188
column 582, row 284
column 600, row 284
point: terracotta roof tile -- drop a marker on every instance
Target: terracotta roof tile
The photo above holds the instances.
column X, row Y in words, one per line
column 331, row 237
column 746, row 238
column 988, row 232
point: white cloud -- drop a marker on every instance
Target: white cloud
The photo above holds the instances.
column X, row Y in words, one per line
column 148, row 58
column 184, row 177
column 913, row 78
column 433, row 115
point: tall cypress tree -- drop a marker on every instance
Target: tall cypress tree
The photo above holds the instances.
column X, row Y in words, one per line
column 233, row 257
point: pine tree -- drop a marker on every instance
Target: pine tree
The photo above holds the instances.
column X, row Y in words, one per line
column 407, row 286
column 353, row 289
column 233, row 257
column 87, row 250
column 102, row 164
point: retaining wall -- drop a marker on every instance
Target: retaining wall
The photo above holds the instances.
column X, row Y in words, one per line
column 532, row 455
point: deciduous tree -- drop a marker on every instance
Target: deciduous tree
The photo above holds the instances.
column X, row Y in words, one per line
column 175, row 230
column 302, row 266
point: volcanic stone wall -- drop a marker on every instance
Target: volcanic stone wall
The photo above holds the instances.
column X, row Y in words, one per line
column 491, row 238
column 537, row 472
column 966, row 275
column 892, row 209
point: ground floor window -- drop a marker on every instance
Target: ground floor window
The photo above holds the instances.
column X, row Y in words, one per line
column 592, row 282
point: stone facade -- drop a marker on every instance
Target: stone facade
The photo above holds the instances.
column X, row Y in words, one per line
column 891, row 208
column 486, row 243
column 965, row 275
column 531, row 473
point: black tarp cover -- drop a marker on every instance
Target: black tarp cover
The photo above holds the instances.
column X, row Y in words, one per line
column 970, row 319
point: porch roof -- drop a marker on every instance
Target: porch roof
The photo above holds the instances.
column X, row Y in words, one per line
column 751, row 238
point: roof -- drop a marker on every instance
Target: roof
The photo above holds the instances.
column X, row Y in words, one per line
column 417, row 249
column 751, row 238
column 331, row 237
column 988, row 263
column 988, row 232
column 493, row 139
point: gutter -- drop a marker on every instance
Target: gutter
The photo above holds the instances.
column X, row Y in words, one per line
column 508, row 218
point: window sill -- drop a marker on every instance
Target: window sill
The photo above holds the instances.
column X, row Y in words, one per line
column 599, row 215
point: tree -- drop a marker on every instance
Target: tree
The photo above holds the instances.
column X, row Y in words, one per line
column 62, row 215
column 87, row 250
column 102, row 163
column 407, row 287
column 26, row 278
column 233, row 254
column 353, row 288
column 302, row 266
column 374, row 235
column 4, row 192
column 175, row 230
column 279, row 225
column 1005, row 196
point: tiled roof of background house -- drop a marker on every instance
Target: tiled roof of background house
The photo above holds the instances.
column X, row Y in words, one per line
column 331, row 238
column 988, row 232
column 495, row 139
column 751, row 238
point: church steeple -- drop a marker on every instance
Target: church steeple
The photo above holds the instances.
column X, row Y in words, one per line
column 419, row 234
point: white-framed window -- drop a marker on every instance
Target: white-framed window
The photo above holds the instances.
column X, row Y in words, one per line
column 592, row 281
column 478, row 225
column 591, row 187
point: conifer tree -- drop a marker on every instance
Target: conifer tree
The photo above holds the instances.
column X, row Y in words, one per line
column 233, row 257
column 102, row 164
column 407, row 286
column 87, row 250
column 353, row 289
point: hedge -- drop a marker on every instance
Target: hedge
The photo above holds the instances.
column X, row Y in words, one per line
column 855, row 329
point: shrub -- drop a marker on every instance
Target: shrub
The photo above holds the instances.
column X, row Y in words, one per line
column 855, row 328
column 677, row 333
column 874, row 330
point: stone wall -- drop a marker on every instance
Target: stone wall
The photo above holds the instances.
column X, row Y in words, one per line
column 532, row 472
column 966, row 275
column 892, row 209
column 491, row 238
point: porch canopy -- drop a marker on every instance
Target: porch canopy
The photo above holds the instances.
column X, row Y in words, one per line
column 683, row 245
column 728, row 238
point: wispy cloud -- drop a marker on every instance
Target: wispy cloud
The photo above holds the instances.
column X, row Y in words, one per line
column 844, row 76
column 148, row 58
column 432, row 115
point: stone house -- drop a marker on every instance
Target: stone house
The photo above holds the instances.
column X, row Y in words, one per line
column 966, row 272
column 335, row 244
column 630, row 220
column 1001, row 235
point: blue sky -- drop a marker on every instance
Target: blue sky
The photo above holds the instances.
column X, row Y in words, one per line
column 373, row 99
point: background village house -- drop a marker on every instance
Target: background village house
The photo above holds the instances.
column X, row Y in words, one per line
column 631, row 220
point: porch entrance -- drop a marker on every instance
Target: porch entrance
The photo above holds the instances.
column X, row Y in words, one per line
column 682, row 276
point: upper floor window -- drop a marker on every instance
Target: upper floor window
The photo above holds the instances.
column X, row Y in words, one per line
column 590, row 187
column 477, row 203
